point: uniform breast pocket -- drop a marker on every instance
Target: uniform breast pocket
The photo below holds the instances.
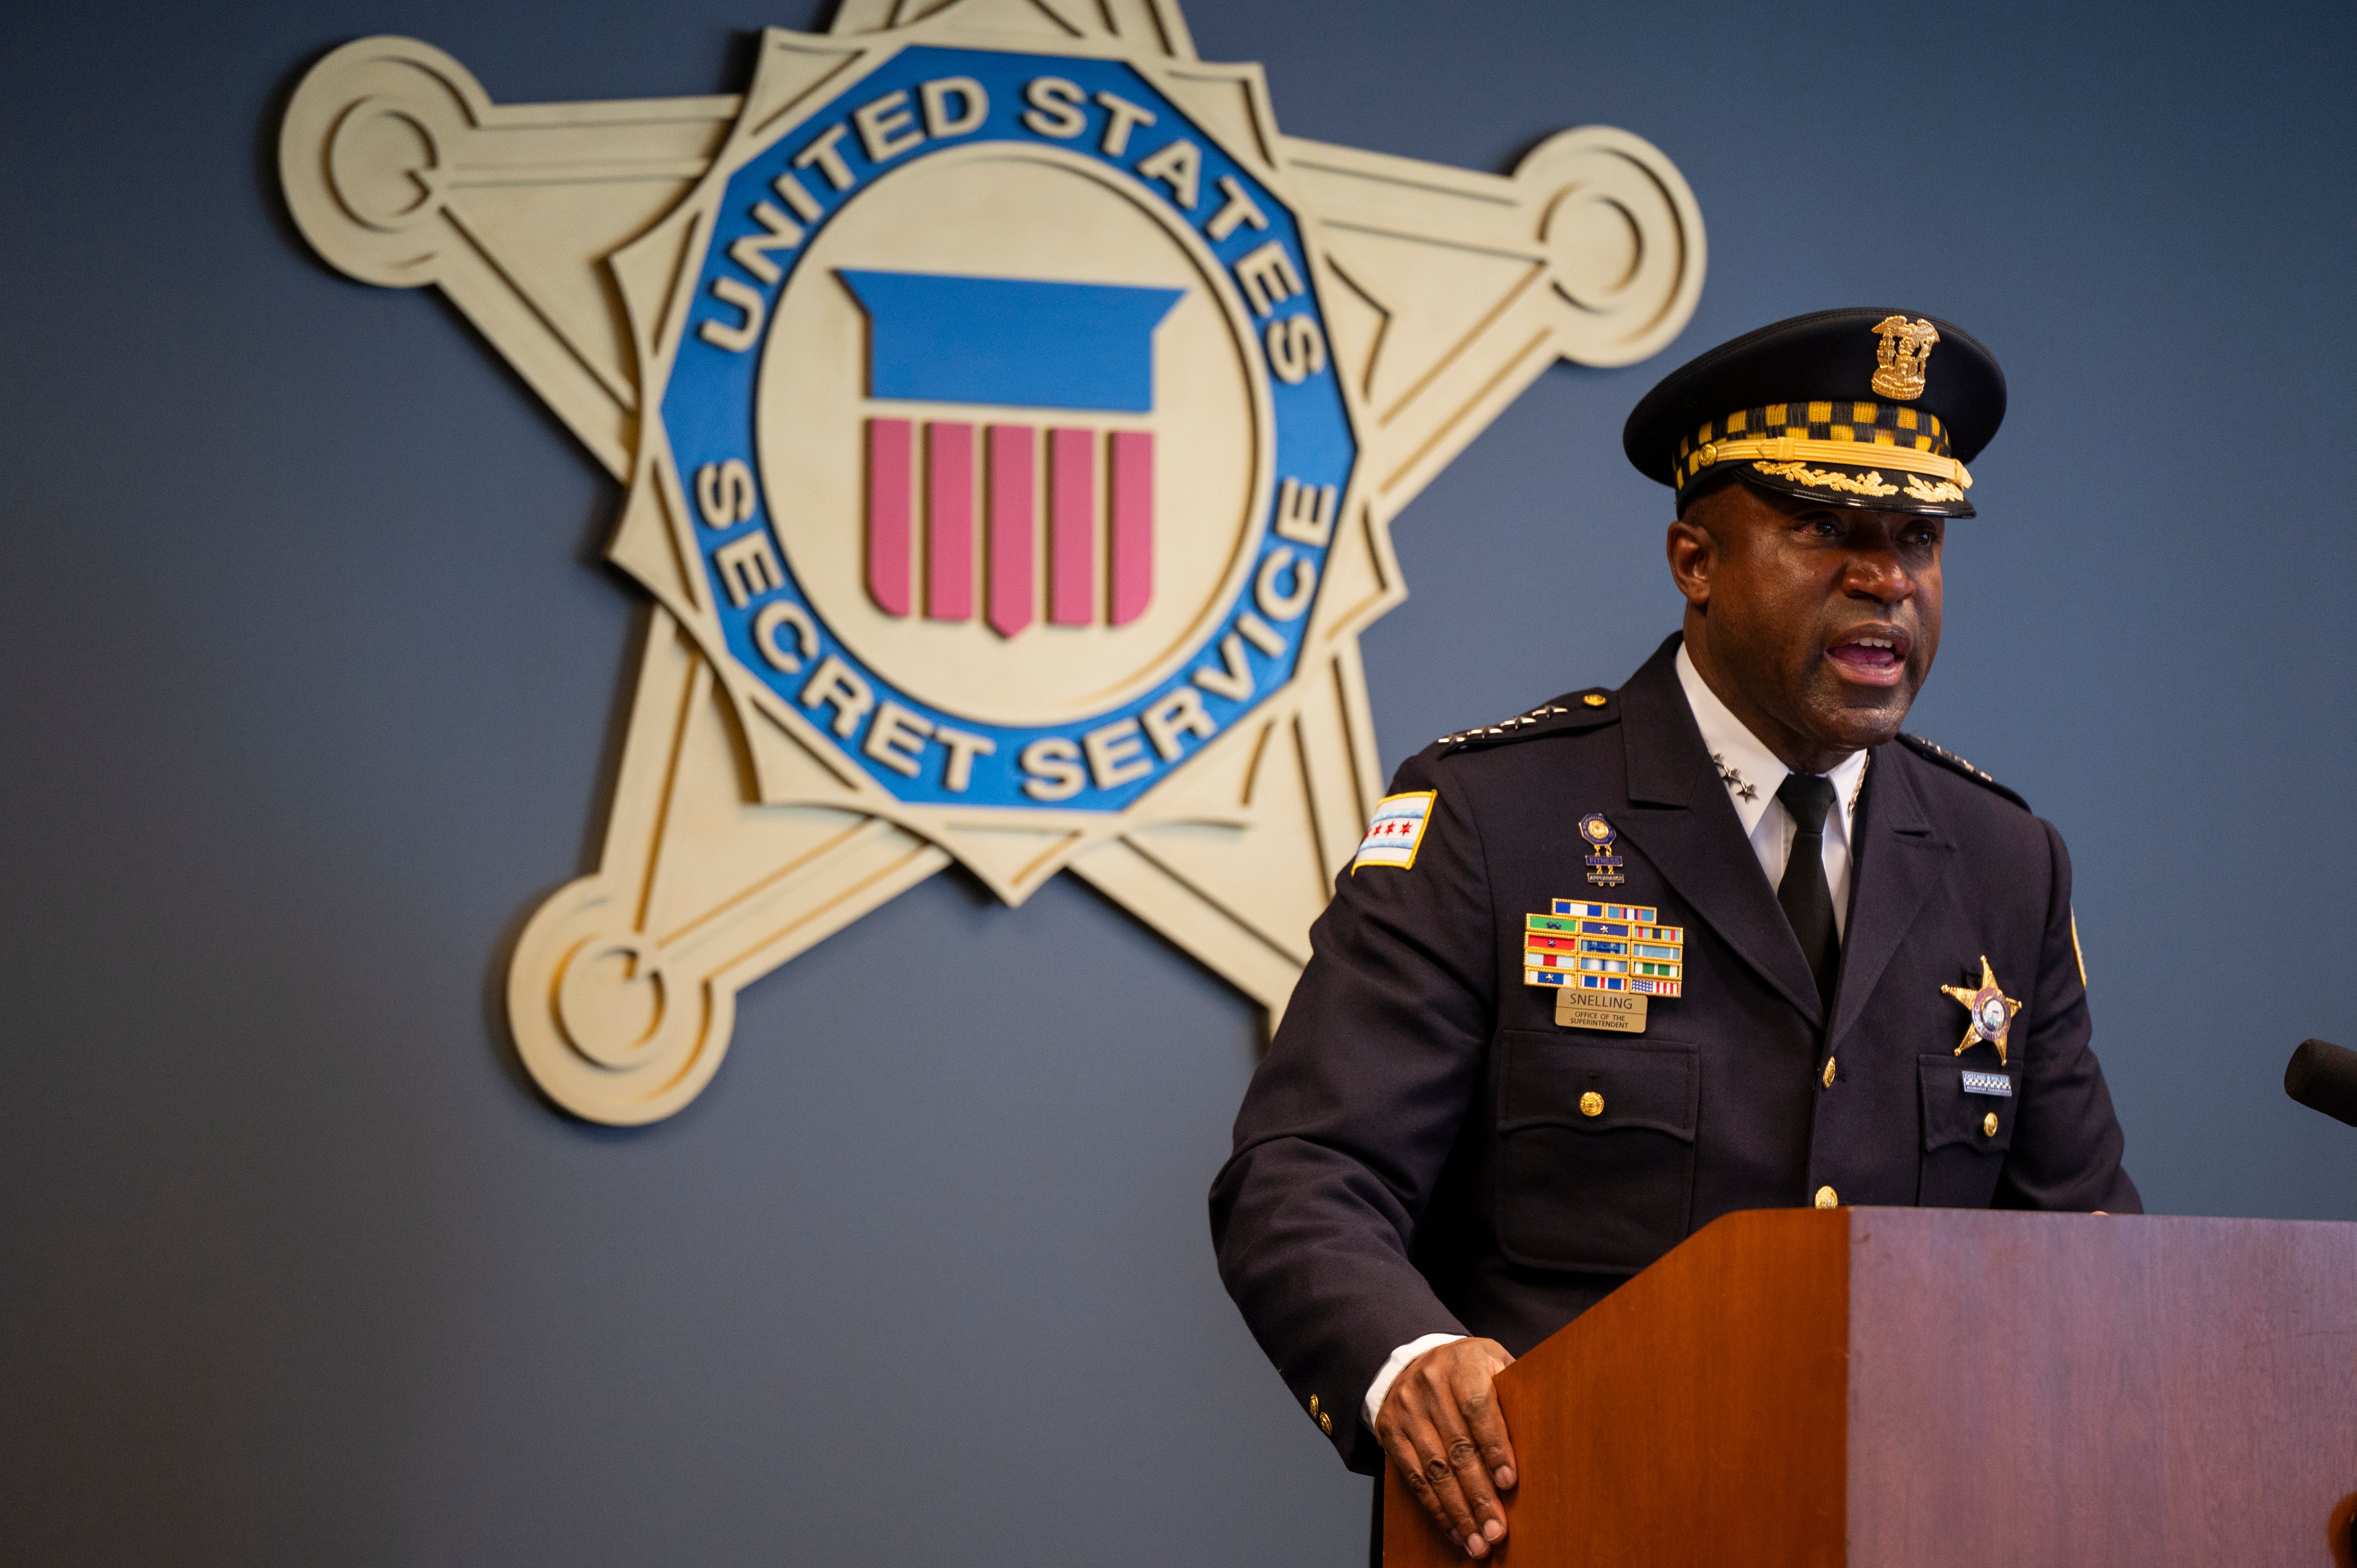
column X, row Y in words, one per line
column 1596, row 1150
column 1966, row 1130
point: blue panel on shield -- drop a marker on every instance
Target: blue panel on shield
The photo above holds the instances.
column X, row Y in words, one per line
column 938, row 338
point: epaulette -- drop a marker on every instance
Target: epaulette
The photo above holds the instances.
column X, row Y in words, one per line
column 1932, row 751
column 1572, row 712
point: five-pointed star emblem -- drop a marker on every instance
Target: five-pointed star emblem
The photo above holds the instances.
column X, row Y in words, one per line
column 1992, row 1012
column 752, row 816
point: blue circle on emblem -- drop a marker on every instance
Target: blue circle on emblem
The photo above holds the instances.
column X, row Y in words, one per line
column 1024, row 558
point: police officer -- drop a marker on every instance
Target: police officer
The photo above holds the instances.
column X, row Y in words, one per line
column 1720, row 939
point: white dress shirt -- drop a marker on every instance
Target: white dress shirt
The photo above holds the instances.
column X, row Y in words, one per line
column 1752, row 774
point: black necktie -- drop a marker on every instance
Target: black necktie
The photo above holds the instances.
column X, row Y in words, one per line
column 1808, row 900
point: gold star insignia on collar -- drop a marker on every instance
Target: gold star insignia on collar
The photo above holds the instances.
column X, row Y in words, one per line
column 1992, row 1012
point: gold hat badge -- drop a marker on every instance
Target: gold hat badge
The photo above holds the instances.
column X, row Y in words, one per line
column 1906, row 348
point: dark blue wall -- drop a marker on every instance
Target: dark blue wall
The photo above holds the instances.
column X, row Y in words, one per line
column 310, row 682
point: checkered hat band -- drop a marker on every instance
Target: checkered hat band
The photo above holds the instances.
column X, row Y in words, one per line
column 1869, row 424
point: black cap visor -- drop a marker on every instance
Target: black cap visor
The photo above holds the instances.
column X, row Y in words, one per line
column 1867, row 487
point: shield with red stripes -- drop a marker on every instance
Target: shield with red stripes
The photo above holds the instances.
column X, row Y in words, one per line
column 1013, row 459
column 1045, row 453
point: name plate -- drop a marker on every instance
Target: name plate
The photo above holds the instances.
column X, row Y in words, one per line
column 1615, row 1010
column 1994, row 1083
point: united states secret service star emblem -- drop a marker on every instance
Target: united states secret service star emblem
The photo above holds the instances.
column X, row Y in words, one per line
column 1012, row 420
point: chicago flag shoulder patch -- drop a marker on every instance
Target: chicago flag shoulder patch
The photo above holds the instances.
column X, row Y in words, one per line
column 1398, row 827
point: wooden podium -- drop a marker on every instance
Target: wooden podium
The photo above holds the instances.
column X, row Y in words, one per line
column 1899, row 1387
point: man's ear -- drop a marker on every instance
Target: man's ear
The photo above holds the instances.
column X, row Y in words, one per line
column 1692, row 554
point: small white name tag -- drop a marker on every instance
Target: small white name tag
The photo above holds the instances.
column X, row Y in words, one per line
column 1994, row 1083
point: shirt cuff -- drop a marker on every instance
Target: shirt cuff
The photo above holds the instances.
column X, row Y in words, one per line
column 1393, row 1367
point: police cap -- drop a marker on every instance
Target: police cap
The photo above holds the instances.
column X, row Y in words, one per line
column 1866, row 407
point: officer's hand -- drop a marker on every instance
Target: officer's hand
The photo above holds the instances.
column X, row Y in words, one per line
column 1440, row 1425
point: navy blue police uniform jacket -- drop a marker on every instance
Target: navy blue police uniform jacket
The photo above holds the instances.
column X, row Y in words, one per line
column 1411, row 1157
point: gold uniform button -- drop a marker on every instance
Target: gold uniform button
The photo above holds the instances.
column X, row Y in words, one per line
column 1989, row 1124
column 1591, row 1104
column 1829, row 1072
column 1326, row 1424
column 1828, row 1199
column 1594, row 699
column 1313, row 1404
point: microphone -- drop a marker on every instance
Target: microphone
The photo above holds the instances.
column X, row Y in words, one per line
column 2323, row 1076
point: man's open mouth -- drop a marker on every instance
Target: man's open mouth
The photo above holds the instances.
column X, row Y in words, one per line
column 1870, row 651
